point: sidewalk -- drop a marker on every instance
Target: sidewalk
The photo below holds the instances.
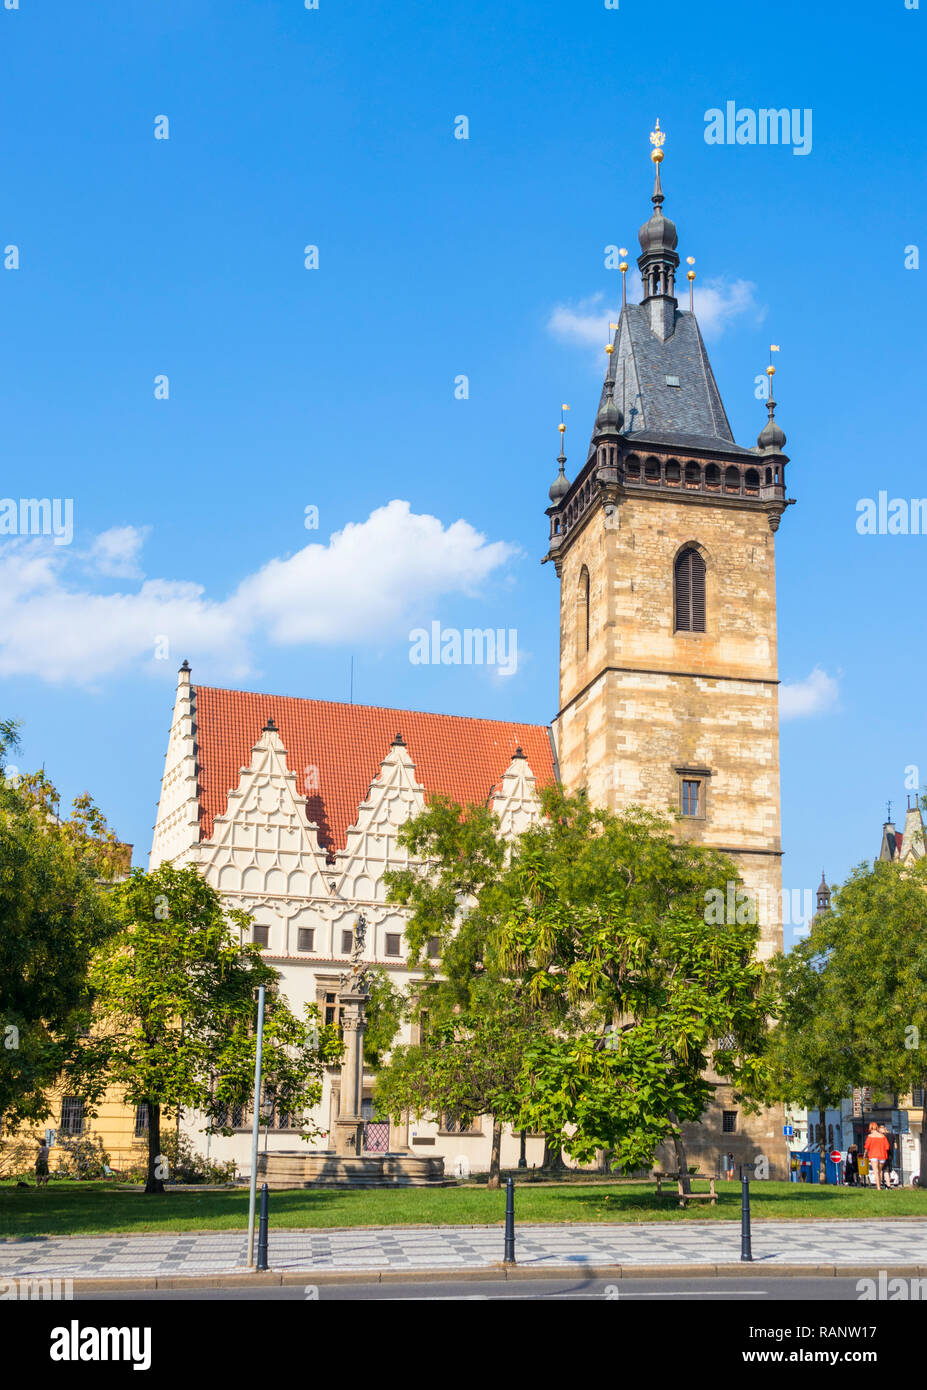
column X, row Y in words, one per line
column 806, row 1245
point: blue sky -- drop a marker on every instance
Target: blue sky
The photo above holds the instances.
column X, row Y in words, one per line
column 334, row 387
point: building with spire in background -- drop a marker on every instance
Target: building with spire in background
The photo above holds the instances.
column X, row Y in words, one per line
column 664, row 546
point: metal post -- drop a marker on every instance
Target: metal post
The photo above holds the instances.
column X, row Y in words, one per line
column 262, row 1231
column 746, row 1253
column 255, row 1123
column 509, row 1257
column 522, row 1157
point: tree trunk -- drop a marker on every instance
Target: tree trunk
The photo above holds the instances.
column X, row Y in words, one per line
column 923, row 1167
column 682, row 1163
column 553, row 1156
column 154, row 1183
column 495, row 1165
column 822, row 1145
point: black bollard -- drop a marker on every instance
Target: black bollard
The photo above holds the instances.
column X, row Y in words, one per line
column 262, row 1230
column 746, row 1252
column 509, row 1258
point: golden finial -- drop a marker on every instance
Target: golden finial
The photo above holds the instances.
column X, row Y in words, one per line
column 561, row 458
column 623, row 267
column 690, row 276
column 657, row 138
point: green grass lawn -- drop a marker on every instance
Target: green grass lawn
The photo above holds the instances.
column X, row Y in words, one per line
column 86, row 1208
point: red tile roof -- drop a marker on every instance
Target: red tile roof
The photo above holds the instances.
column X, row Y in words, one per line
column 455, row 756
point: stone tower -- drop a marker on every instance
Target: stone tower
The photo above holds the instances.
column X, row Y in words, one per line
column 664, row 545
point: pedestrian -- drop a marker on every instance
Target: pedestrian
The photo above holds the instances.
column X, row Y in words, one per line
column 41, row 1164
column 888, row 1168
column 851, row 1168
column 876, row 1147
column 729, row 1167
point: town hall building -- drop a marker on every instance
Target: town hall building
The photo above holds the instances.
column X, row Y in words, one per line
column 664, row 547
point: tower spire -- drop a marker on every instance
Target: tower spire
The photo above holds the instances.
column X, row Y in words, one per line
column 658, row 259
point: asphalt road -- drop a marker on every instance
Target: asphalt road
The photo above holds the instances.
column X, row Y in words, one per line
column 648, row 1291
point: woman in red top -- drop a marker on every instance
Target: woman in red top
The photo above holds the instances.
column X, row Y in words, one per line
column 876, row 1147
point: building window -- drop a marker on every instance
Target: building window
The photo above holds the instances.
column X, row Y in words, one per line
column 331, row 1010
column 347, row 941
column 305, row 939
column 453, row 1124
column 393, row 943
column 689, row 585
column 728, row 1121
column 72, row 1115
column 584, row 603
column 692, row 798
column 433, row 948
column 917, row 1097
column 141, row 1120
column 261, row 936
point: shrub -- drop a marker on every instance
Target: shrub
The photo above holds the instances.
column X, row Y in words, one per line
column 185, row 1165
column 78, row 1156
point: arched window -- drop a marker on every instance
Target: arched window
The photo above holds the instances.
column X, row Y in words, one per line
column 689, row 585
column 583, row 611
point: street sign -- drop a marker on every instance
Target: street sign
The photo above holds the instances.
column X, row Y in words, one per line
column 835, row 1155
column 788, row 1131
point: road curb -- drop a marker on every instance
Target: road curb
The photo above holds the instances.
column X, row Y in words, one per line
column 314, row 1277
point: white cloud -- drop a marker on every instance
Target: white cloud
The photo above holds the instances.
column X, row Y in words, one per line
column 585, row 322
column 718, row 302
column 368, row 579
column 117, row 551
column 816, row 694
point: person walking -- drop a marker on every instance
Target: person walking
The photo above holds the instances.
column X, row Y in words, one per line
column 41, row 1165
column 729, row 1167
column 876, row 1147
column 888, row 1170
column 851, row 1167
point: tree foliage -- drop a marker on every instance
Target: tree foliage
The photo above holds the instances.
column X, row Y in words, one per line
column 54, row 914
column 175, row 1010
column 594, row 925
column 852, row 997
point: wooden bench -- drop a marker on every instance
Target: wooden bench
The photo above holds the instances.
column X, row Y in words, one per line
column 685, row 1197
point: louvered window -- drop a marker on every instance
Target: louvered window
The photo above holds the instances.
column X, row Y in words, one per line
column 690, row 592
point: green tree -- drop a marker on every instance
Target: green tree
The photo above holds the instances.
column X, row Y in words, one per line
column 54, row 913
column 852, row 1004
column 467, row 1064
column 597, row 923
column 175, row 1011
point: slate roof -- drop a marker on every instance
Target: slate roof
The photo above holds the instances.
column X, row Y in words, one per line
column 689, row 415
column 455, row 756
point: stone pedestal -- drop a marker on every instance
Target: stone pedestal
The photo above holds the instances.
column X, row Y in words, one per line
column 349, row 1126
column 319, row 1169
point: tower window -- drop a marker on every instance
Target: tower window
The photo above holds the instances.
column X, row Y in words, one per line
column 584, row 607
column 713, row 476
column 689, row 583
column 691, row 796
column 728, row 1121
